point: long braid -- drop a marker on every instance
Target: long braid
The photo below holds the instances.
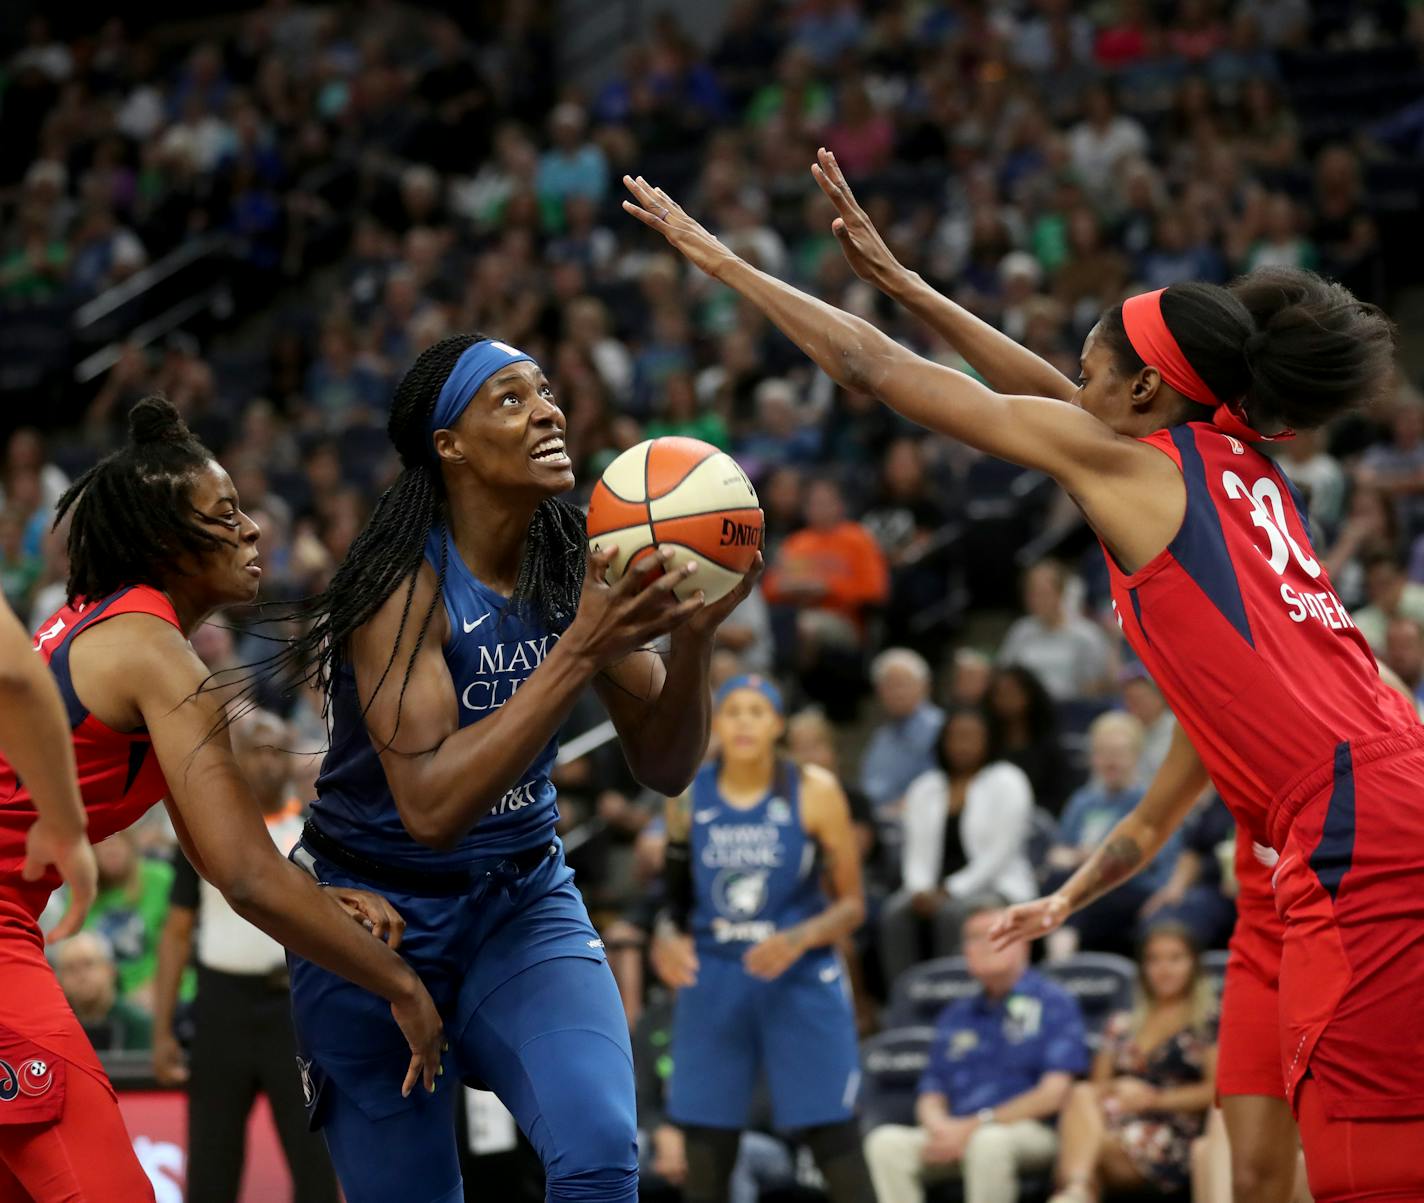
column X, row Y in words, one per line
column 388, row 552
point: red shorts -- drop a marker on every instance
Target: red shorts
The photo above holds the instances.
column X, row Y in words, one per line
column 62, row 1138
column 1350, row 887
column 1249, row 1041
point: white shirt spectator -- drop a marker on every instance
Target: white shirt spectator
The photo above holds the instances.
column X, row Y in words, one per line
column 1097, row 150
column 994, row 828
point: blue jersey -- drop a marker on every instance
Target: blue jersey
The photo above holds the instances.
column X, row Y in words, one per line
column 490, row 653
column 754, row 869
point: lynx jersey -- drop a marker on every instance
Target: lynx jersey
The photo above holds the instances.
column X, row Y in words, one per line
column 491, row 652
column 1238, row 624
column 119, row 777
column 754, row 869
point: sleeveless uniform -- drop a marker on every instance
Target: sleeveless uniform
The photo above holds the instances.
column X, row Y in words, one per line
column 71, row 1124
column 497, row 932
column 754, row 872
column 1317, row 758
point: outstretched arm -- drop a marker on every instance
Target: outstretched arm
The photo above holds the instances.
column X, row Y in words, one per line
column 1130, row 845
column 1006, row 365
column 1132, row 494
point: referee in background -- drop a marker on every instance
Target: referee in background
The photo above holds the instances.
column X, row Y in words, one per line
column 242, row 1039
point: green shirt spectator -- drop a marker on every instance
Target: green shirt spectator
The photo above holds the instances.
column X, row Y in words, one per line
column 130, row 908
column 89, row 978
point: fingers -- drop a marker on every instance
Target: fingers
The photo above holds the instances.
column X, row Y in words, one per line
column 395, row 929
column 412, row 1075
column 71, row 921
column 599, row 561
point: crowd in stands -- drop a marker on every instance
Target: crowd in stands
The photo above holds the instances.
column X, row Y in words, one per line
column 940, row 620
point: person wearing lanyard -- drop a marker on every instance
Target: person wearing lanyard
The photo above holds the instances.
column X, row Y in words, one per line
column 242, row 1040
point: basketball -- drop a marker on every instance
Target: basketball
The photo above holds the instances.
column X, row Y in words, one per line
column 683, row 494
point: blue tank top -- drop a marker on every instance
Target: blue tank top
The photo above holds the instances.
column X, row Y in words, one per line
column 490, row 653
column 754, row 869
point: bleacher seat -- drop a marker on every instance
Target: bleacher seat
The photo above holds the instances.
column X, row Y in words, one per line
column 891, row 1064
column 919, row 994
column 1100, row 981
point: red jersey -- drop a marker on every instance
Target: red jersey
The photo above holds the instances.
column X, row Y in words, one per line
column 119, row 776
column 1239, row 626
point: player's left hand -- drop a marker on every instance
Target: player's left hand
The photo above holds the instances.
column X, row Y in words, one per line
column 372, row 911
column 658, row 211
column 773, row 956
column 71, row 854
column 704, row 622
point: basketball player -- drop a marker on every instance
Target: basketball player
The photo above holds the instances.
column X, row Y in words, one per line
column 1221, row 597
column 748, row 941
column 454, row 638
column 157, row 542
column 1250, row 1086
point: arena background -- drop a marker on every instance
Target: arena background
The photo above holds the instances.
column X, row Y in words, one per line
column 267, row 212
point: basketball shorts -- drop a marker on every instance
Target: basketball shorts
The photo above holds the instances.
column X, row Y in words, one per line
column 732, row 1030
column 1249, row 1037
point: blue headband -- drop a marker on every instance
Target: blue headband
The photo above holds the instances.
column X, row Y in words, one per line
column 766, row 688
column 471, row 370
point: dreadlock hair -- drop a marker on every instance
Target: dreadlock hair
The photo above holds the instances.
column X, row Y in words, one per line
column 133, row 518
column 388, row 552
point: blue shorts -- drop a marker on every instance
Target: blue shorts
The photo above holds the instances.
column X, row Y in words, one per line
column 531, row 1012
column 799, row 1030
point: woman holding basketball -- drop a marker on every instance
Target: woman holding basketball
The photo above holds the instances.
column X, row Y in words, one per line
column 748, row 941
column 1250, row 1085
column 453, row 641
column 157, row 542
column 1222, row 598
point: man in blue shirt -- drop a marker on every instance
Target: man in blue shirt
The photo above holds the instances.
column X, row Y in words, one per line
column 903, row 746
column 999, row 1070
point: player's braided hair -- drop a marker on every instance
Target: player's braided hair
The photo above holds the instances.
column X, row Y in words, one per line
column 132, row 517
column 388, row 552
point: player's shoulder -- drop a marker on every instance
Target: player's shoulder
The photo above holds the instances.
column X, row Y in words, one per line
column 397, row 620
column 821, row 795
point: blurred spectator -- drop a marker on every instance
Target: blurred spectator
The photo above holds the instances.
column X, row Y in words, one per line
column 1025, row 732
column 965, row 832
column 85, row 967
column 573, row 166
column 1391, row 595
column 1103, row 139
column 971, row 675
column 904, row 745
column 1153, row 1081
column 1065, row 651
column 1397, row 467
column 829, row 574
column 1404, row 653
column 129, row 911
column 1001, row 1066
column 1319, row 477
column 1144, row 701
column 1370, row 526
column 1196, row 894
column 1115, row 751
column 1344, row 228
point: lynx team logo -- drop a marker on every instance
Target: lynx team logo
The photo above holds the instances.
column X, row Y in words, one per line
column 739, row 894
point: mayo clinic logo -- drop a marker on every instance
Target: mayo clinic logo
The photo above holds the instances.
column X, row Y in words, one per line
column 739, row 893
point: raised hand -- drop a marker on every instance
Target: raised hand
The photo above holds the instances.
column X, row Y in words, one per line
column 709, row 618
column 865, row 250
column 658, row 211
column 614, row 620
column 1029, row 920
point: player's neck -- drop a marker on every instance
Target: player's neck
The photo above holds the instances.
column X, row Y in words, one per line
column 746, row 780
column 489, row 532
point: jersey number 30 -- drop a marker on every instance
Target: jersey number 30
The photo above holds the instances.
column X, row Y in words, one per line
column 1268, row 512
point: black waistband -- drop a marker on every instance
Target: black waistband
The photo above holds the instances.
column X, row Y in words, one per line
column 435, row 883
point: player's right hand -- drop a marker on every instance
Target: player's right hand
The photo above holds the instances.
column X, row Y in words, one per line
column 865, row 250
column 639, row 608
column 674, row 959
column 70, row 853
column 1029, row 920
column 420, row 1024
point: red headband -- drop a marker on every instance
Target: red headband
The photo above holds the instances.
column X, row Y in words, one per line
column 1147, row 331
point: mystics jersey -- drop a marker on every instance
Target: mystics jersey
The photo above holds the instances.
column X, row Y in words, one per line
column 1240, row 628
column 119, row 777
column 490, row 653
column 754, row 869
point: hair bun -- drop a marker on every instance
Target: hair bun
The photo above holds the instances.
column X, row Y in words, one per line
column 155, row 420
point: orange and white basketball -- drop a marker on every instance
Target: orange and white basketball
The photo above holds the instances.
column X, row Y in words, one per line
column 683, row 494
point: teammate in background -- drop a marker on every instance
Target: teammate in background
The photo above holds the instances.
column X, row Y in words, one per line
column 157, row 542
column 1220, row 595
column 1250, row 1083
column 748, row 941
column 464, row 622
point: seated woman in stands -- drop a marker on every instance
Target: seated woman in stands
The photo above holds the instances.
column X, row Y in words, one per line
column 1132, row 1124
